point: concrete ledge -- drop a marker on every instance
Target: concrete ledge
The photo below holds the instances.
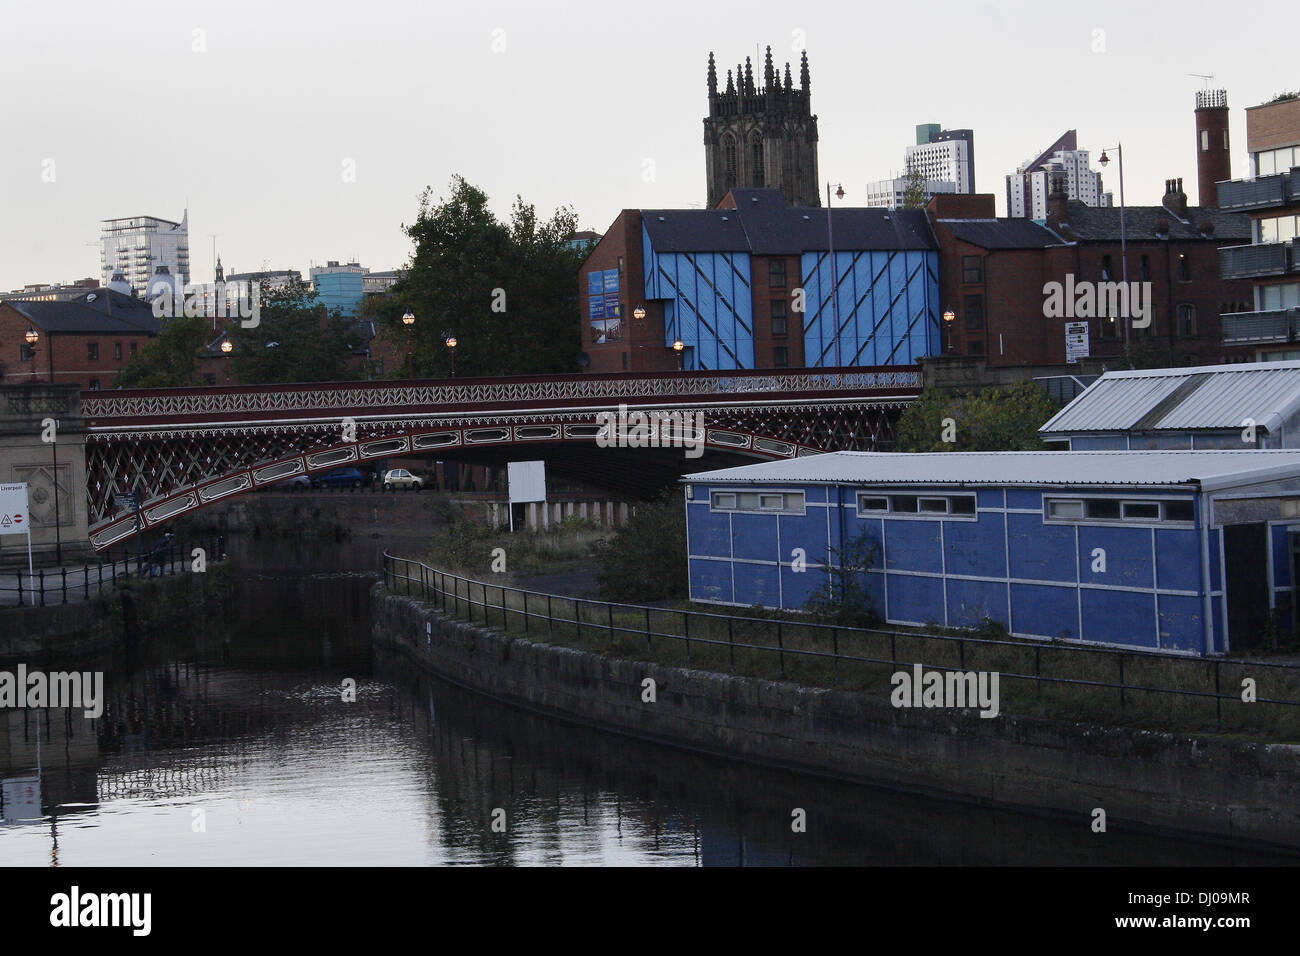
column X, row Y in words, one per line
column 1216, row 790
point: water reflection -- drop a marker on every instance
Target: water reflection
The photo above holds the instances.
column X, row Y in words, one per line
column 231, row 743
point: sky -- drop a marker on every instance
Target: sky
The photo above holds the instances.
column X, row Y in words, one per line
column 296, row 133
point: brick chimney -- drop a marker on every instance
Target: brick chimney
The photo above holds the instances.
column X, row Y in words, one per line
column 1058, row 199
column 1175, row 199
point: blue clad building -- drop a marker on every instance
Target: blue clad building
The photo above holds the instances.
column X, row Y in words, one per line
column 1182, row 551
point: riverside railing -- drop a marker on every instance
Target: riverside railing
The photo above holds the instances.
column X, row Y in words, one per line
column 70, row 584
column 1051, row 677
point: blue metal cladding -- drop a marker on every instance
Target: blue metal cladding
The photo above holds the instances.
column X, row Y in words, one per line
column 1008, row 565
column 887, row 303
column 710, row 305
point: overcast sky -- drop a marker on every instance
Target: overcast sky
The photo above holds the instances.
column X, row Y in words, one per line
column 253, row 114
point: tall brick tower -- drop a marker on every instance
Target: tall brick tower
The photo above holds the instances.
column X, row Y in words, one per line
column 1213, row 158
column 761, row 136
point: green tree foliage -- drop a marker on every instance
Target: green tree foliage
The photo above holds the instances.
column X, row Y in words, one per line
column 992, row 419
column 914, row 191
column 646, row 559
column 508, row 291
column 843, row 598
column 171, row 359
column 310, row 345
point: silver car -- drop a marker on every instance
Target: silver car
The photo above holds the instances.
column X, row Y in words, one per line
column 401, row 478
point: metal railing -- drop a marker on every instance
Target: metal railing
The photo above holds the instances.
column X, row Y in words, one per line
column 714, row 640
column 1279, row 325
column 1260, row 259
column 71, row 584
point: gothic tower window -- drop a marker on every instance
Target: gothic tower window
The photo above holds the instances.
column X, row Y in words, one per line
column 729, row 151
column 756, row 152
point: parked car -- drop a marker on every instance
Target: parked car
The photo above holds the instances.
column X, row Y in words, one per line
column 340, row 477
column 296, row 483
column 401, row 478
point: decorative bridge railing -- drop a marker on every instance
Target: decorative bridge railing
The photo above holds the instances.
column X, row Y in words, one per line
column 102, row 408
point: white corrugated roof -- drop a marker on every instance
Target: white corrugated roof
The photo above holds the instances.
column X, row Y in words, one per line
column 1209, row 397
column 1211, row 469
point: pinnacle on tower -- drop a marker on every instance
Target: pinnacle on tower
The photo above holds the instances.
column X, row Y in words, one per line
column 713, row 76
column 768, row 72
column 788, row 84
column 805, row 83
column 731, row 86
column 749, row 76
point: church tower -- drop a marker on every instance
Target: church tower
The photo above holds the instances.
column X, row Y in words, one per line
column 761, row 136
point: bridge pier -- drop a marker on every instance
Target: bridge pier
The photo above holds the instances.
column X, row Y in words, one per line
column 26, row 457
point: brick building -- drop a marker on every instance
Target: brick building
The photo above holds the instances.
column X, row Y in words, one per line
column 82, row 341
column 993, row 273
column 728, row 284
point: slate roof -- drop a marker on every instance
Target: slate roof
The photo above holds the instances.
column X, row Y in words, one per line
column 1002, row 233
column 1101, row 223
column 101, row 311
column 761, row 224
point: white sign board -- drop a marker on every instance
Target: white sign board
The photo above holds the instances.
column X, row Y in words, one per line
column 1076, row 341
column 14, row 518
column 527, row 481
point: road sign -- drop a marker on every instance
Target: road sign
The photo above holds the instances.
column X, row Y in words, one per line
column 14, row 517
column 129, row 501
column 1076, row 341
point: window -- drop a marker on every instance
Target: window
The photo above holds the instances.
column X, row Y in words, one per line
column 92, row 351
column 25, row 352
column 770, row 502
column 756, row 157
column 974, row 312
column 1277, row 229
column 1109, row 328
column 781, row 357
column 779, row 325
column 1184, row 268
column 975, row 347
column 872, row 503
column 94, row 383
column 776, row 273
column 1187, row 319
column 133, row 349
column 1144, row 268
column 1105, row 268
column 1205, row 141
column 972, row 269
column 117, row 351
column 729, row 154
column 1118, row 510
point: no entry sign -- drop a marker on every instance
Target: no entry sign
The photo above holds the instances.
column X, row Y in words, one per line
column 14, row 518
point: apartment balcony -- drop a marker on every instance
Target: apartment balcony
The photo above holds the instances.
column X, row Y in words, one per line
column 1261, row 328
column 1259, row 260
column 1265, row 192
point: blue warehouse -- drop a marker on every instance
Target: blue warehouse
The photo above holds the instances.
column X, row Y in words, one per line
column 1183, row 551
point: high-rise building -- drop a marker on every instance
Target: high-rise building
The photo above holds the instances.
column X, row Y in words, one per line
column 138, row 245
column 891, row 193
column 339, row 286
column 1029, row 186
column 944, row 155
column 761, row 136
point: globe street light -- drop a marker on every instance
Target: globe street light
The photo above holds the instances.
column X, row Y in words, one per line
column 830, row 243
column 408, row 320
column 639, row 313
column 680, row 348
column 227, row 347
column 31, row 336
column 948, row 317
column 451, row 348
column 1123, row 236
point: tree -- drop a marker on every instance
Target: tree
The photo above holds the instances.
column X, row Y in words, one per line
column 843, row 598
column 508, row 291
column 914, row 190
column 992, row 419
column 171, row 359
column 296, row 340
column 645, row 560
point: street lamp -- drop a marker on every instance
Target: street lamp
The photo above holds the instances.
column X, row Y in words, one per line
column 451, row 349
column 830, row 243
column 948, row 317
column 227, row 347
column 31, row 336
column 680, row 348
column 408, row 320
column 639, row 313
column 1123, row 235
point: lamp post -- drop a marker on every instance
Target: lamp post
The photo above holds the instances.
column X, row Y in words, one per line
column 32, row 336
column 830, row 243
column 1123, row 234
column 451, row 349
column 408, row 320
column 227, row 347
column 949, row 317
column 680, row 348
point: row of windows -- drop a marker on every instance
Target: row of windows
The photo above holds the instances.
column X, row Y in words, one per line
column 877, row 504
column 1277, row 229
column 27, row 352
column 1271, row 161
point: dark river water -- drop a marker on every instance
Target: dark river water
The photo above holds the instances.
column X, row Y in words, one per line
column 229, row 743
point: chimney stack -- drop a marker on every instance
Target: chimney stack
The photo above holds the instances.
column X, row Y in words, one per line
column 1213, row 158
column 1175, row 199
column 1058, row 199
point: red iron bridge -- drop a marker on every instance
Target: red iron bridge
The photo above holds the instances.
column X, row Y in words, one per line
column 183, row 449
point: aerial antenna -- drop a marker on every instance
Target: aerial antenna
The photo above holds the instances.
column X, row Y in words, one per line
column 1207, row 77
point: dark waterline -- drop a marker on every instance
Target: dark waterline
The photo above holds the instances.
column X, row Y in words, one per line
column 229, row 743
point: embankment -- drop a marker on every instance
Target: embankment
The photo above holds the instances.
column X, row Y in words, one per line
column 1217, row 789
